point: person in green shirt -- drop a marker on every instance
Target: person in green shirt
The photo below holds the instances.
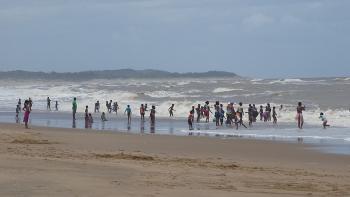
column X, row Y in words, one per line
column 74, row 107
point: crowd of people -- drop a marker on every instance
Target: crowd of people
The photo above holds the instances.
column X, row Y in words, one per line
column 231, row 115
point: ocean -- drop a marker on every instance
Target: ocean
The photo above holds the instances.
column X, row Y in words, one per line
column 328, row 95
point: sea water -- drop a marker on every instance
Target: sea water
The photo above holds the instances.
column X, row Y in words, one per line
column 328, row 95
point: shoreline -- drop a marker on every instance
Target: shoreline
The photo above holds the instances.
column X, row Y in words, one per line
column 330, row 140
column 72, row 162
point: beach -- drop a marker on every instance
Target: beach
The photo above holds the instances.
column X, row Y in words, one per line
column 72, row 162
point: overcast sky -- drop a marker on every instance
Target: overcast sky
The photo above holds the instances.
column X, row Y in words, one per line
column 258, row 38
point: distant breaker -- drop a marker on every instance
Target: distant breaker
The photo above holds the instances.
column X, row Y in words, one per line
column 112, row 74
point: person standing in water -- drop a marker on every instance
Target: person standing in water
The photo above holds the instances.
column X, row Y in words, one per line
column 48, row 107
column 56, row 106
column 74, row 107
column 17, row 113
column 87, row 117
column 20, row 104
column 142, row 112
column 324, row 120
column 268, row 110
column 128, row 112
column 274, row 115
column 116, row 107
column 97, row 107
column 171, row 110
column 299, row 116
column 30, row 104
column 190, row 121
column 240, row 113
column 206, row 111
column 152, row 115
column 26, row 109
column 261, row 112
column 222, row 114
column 198, row 111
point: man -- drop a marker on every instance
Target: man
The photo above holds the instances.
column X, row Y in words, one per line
column 74, row 107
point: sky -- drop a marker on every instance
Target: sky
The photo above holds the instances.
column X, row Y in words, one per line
column 256, row 38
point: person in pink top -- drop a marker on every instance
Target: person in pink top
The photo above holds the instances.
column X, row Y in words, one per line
column 26, row 109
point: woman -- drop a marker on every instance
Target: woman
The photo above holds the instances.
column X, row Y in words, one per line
column 299, row 116
column 26, row 109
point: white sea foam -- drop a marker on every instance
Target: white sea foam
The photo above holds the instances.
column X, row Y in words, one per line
column 164, row 94
column 219, row 90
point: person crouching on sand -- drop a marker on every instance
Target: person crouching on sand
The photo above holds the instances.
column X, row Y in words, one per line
column 324, row 120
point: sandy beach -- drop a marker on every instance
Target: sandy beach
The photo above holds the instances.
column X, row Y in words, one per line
column 72, row 162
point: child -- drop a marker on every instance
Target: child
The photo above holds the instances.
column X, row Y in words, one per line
column 274, row 115
column 128, row 112
column 324, row 120
column 190, row 121
column 103, row 117
column 56, row 105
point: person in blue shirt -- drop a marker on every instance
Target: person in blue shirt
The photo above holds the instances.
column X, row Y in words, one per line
column 128, row 112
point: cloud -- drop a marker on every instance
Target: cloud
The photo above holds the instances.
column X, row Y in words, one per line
column 258, row 20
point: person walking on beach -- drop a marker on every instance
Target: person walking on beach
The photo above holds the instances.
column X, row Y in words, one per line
column 171, row 110
column 142, row 112
column 48, row 107
column 74, row 107
column 274, row 115
column 299, row 116
column 128, row 112
column 26, row 109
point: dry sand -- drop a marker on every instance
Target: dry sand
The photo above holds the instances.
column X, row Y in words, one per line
column 67, row 162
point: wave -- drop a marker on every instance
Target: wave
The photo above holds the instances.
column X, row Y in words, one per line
column 220, row 90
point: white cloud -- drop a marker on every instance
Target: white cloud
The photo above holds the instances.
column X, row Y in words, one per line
column 258, row 20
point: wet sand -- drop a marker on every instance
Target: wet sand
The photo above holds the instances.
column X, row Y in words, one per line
column 71, row 162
